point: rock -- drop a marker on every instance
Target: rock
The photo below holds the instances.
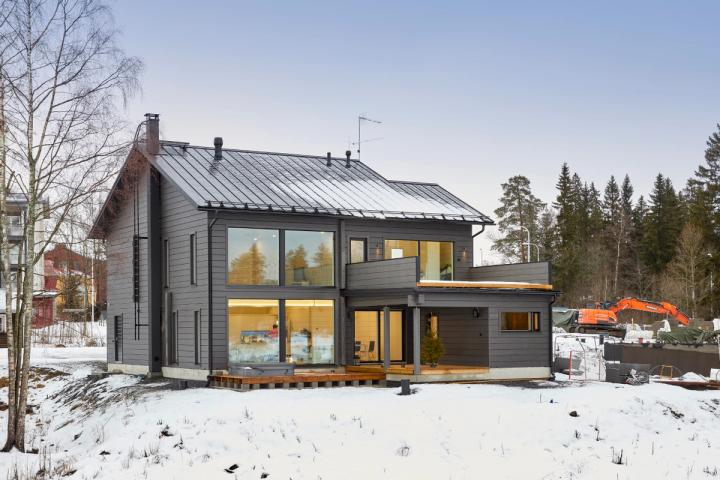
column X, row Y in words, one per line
column 574, row 414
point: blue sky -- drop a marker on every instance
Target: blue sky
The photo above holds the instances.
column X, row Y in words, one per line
column 470, row 93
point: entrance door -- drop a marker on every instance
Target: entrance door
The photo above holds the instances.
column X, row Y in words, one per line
column 370, row 333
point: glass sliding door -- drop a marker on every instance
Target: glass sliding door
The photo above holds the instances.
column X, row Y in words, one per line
column 370, row 336
column 310, row 331
column 435, row 258
column 253, row 331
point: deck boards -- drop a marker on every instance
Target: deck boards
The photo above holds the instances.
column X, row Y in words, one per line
column 425, row 369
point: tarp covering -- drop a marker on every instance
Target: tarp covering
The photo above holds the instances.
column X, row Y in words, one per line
column 689, row 336
column 563, row 317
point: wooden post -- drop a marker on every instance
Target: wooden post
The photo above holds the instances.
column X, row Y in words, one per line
column 416, row 340
column 386, row 337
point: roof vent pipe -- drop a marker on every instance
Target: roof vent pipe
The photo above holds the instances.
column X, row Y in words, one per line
column 347, row 155
column 218, row 148
column 329, row 159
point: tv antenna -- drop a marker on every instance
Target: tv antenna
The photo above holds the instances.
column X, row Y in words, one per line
column 362, row 118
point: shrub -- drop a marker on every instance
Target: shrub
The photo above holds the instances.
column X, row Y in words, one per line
column 431, row 350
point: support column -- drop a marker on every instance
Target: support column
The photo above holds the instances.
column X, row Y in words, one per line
column 416, row 340
column 386, row 337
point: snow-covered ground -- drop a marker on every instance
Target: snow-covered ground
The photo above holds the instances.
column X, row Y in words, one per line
column 71, row 334
column 124, row 428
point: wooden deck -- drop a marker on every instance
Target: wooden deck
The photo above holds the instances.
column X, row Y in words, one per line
column 424, row 369
column 440, row 374
column 298, row 381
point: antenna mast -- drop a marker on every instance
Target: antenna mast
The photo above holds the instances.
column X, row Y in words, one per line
column 362, row 118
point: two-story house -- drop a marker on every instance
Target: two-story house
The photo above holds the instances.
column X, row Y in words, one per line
column 222, row 260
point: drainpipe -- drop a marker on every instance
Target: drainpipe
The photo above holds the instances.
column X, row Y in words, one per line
column 550, row 336
column 210, row 292
column 480, row 231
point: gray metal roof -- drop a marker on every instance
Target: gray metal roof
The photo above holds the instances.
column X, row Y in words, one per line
column 293, row 183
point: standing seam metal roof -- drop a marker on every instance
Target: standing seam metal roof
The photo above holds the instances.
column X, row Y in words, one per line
column 251, row 180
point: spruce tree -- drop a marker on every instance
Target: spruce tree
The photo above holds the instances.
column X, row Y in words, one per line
column 566, row 230
column 663, row 226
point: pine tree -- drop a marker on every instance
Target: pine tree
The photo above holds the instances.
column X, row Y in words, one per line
column 547, row 235
column 519, row 210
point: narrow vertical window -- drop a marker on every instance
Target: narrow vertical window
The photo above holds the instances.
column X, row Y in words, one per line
column 166, row 263
column 358, row 250
column 117, row 341
column 197, row 337
column 172, row 339
column 193, row 259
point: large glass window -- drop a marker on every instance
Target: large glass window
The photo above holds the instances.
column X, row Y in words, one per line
column 436, row 260
column 309, row 258
column 520, row 321
column 253, row 256
column 310, row 331
column 253, row 331
column 400, row 248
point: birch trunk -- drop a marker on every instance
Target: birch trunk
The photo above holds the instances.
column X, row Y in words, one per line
column 7, row 279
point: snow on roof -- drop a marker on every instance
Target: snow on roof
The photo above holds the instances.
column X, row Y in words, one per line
column 292, row 183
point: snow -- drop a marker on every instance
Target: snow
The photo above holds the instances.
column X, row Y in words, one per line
column 122, row 427
column 77, row 334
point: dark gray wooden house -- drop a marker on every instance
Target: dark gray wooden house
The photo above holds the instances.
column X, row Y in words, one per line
column 224, row 260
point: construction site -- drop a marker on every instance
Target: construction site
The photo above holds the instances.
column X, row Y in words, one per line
column 635, row 341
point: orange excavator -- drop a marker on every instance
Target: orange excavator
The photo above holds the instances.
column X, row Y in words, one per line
column 603, row 318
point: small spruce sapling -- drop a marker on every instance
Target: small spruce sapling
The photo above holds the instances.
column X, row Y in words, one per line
column 431, row 350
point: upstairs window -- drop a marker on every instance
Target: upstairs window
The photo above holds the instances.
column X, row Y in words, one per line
column 253, row 256
column 435, row 258
column 193, row 259
column 358, row 250
column 309, row 258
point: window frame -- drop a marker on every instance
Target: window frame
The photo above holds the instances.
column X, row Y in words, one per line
column 197, row 319
column 193, row 258
column 166, row 262
column 365, row 249
column 532, row 316
column 280, row 247
column 418, row 256
column 283, row 275
column 283, row 330
column 282, row 281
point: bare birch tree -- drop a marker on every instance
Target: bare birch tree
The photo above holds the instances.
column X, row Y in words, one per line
column 66, row 80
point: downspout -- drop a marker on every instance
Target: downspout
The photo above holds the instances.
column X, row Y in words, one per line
column 480, row 231
column 210, row 292
column 550, row 336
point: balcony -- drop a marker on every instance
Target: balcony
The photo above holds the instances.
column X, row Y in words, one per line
column 404, row 273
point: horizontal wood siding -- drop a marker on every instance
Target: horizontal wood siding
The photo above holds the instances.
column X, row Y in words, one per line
column 538, row 272
column 119, row 246
column 179, row 219
column 395, row 273
column 464, row 337
column 506, row 349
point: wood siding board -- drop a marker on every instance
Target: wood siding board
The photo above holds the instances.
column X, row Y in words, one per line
column 180, row 218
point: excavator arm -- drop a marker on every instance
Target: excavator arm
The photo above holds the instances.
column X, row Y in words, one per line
column 662, row 308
